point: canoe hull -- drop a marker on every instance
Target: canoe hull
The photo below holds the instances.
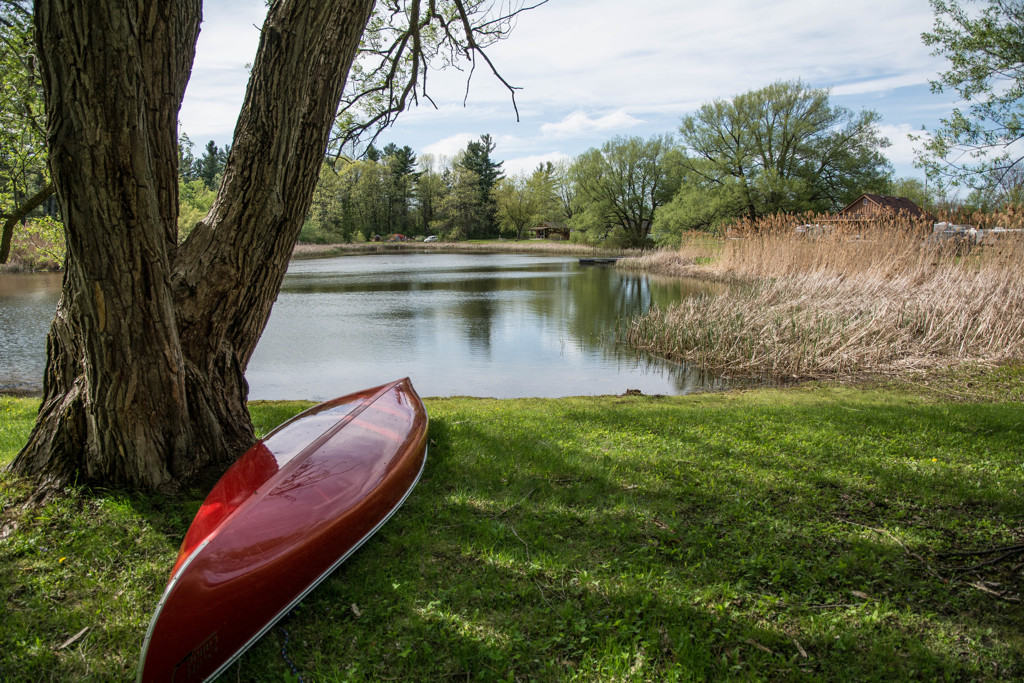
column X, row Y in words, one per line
column 291, row 510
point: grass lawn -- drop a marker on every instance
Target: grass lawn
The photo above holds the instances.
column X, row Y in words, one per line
column 763, row 534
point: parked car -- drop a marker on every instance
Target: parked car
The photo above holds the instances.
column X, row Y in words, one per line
column 431, row 238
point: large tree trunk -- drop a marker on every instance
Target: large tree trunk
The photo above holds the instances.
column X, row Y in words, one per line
column 145, row 386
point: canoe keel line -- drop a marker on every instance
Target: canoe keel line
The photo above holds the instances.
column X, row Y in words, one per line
column 281, row 519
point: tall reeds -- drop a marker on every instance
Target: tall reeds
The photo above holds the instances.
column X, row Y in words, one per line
column 849, row 298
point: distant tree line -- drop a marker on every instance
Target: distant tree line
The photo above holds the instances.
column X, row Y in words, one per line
column 782, row 148
column 390, row 191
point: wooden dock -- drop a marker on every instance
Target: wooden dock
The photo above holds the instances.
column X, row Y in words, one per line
column 598, row 261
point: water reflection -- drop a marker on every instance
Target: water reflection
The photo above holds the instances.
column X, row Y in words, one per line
column 27, row 305
column 483, row 325
column 498, row 325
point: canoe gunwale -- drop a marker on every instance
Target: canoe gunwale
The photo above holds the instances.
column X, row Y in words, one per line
column 163, row 600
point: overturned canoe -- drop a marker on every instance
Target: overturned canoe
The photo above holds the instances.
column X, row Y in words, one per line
column 285, row 515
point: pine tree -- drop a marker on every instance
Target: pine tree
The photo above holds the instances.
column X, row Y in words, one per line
column 477, row 159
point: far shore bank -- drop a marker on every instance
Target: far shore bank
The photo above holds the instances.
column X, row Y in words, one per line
column 535, row 247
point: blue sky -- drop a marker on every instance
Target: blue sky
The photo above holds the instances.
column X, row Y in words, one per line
column 593, row 69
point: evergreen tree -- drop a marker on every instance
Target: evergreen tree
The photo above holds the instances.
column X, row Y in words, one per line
column 461, row 211
column 210, row 166
column 477, row 160
column 400, row 184
column 186, row 159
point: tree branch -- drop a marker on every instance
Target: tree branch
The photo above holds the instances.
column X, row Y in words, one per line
column 19, row 214
column 435, row 32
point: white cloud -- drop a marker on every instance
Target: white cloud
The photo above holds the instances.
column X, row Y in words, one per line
column 451, row 145
column 579, row 123
column 882, row 84
column 596, row 53
column 530, row 163
column 228, row 38
column 591, row 69
column 902, row 150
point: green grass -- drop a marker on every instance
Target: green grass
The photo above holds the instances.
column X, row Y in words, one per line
column 753, row 535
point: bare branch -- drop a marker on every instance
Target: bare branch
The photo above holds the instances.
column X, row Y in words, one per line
column 404, row 41
column 19, row 214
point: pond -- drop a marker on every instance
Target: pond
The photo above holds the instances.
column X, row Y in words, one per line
column 27, row 304
column 500, row 325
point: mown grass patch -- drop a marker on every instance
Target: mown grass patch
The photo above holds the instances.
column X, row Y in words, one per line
column 17, row 415
column 758, row 535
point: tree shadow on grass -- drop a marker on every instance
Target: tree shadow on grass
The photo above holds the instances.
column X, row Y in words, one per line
column 557, row 560
column 634, row 539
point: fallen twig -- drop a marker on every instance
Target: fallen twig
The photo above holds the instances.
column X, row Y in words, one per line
column 73, row 638
column 1002, row 596
column 512, row 507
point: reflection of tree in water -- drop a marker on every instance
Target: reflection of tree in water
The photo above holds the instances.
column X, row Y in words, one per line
column 476, row 314
column 581, row 305
column 485, row 299
column 600, row 297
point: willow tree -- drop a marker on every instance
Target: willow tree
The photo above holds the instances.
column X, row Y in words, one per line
column 621, row 185
column 145, row 377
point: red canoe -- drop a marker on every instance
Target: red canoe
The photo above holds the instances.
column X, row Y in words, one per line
column 284, row 516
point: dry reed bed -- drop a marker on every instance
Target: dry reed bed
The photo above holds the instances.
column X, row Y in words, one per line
column 850, row 302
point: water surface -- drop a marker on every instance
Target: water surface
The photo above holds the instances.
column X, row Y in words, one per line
column 501, row 325
column 27, row 304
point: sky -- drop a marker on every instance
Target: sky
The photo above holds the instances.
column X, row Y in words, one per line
column 591, row 70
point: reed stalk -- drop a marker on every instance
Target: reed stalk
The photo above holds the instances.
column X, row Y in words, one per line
column 851, row 299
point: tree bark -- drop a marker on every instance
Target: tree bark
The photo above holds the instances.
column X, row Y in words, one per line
column 145, row 386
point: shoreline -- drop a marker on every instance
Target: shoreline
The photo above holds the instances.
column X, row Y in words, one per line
column 306, row 250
